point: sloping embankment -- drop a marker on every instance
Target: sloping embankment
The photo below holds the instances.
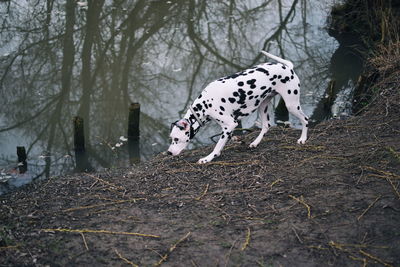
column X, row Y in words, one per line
column 332, row 201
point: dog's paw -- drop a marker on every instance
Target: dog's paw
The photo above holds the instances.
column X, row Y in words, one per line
column 301, row 141
column 203, row 160
column 207, row 159
column 253, row 145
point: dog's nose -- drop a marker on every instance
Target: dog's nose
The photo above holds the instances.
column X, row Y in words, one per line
column 169, row 153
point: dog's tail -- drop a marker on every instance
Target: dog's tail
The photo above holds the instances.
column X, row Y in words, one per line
column 283, row 61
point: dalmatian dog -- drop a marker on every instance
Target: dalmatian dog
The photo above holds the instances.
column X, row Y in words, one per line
column 234, row 97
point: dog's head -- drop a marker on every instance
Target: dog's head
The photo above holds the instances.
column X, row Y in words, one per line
column 180, row 136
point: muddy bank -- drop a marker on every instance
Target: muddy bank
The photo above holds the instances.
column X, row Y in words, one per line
column 334, row 201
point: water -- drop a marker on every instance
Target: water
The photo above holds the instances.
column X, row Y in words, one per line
column 60, row 59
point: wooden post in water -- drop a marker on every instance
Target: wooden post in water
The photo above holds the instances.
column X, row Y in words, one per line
column 134, row 133
column 81, row 160
column 22, row 164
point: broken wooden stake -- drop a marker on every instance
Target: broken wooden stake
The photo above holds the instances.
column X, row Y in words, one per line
column 134, row 133
column 81, row 159
column 22, row 164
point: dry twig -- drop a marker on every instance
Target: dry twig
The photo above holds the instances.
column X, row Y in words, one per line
column 341, row 245
column 125, row 259
column 84, row 241
column 106, row 182
column 393, row 186
column 367, row 209
column 98, row 232
column 301, row 200
column 364, row 260
column 247, row 241
column 375, row 258
column 275, row 182
column 204, row 192
column 384, row 173
column 172, row 248
column 9, row 247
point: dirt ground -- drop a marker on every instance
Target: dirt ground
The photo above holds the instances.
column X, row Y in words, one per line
column 332, row 202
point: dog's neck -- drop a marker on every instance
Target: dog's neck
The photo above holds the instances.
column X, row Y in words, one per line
column 195, row 122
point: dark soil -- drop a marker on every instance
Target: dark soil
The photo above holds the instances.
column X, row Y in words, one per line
column 334, row 201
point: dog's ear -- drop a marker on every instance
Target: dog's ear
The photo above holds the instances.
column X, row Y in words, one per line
column 183, row 125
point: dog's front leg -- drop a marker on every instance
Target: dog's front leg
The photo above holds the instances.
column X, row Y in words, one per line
column 227, row 130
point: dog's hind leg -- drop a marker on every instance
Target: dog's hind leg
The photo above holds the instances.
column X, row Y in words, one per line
column 264, row 117
column 292, row 101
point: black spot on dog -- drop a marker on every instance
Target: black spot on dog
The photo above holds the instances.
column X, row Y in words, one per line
column 242, row 96
column 292, row 77
column 295, row 92
column 273, row 83
column 223, row 100
column 285, row 80
column 291, row 71
column 279, row 76
column 249, row 92
column 195, row 109
column 243, row 106
column 263, row 87
column 232, row 100
column 240, row 83
column 220, row 113
column 263, row 71
column 283, row 67
column 210, row 105
column 237, row 114
column 251, row 97
column 306, row 118
column 289, row 92
column 298, row 107
column 235, row 94
column 251, row 71
column 264, row 94
column 257, row 102
column 253, row 86
column 265, row 111
column 252, row 81
column 222, row 108
column 199, row 107
column 200, row 96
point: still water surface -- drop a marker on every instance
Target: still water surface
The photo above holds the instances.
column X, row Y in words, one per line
column 59, row 59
